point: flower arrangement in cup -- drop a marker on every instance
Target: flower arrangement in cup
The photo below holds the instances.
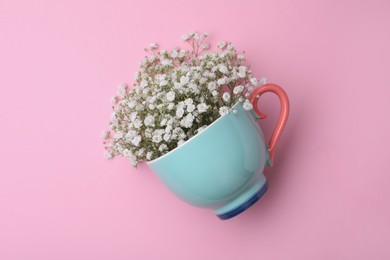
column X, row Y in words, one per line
column 176, row 95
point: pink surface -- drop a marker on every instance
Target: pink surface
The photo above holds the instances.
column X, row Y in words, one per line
column 60, row 63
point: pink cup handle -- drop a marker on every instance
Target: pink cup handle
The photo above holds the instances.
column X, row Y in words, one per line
column 283, row 116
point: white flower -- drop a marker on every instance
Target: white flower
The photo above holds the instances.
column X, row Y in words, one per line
column 149, row 120
column 222, row 45
column 171, row 106
column 166, row 62
column 198, row 36
column 182, row 53
column 181, row 104
column 242, row 71
column 133, row 160
column 137, row 75
column 202, row 107
column 140, row 152
column 170, row 96
column 177, row 85
column 215, row 93
column 162, row 147
column 263, row 80
column 168, row 129
column 152, row 58
column 136, row 140
column 126, row 153
column 254, row 81
column 223, row 69
column 238, row 89
column 184, row 80
column 190, row 108
column 114, row 121
column 194, row 88
column 163, row 122
column 133, row 116
column 221, row 81
column 230, row 47
column 122, row 90
column 226, row 96
column 114, row 100
column 163, row 83
column 187, row 121
column 109, row 155
column 167, row 137
column 158, row 132
column 188, row 101
column 156, row 139
column 113, row 116
column 148, row 133
column 149, row 155
column 200, row 129
column 153, row 46
column 118, row 147
column 180, row 142
column 223, row 110
column 174, row 54
column 241, row 57
column 106, row 135
column 130, row 135
column 139, row 107
column 132, row 104
column 137, row 123
column 189, row 118
column 178, row 133
column 186, row 37
column 118, row 135
column 247, row 105
column 205, row 46
column 212, row 85
column 196, row 75
column 179, row 112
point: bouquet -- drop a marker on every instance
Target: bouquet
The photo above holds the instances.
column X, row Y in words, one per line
column 175, row 96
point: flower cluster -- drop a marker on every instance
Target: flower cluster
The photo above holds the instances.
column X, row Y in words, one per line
column 175, row 96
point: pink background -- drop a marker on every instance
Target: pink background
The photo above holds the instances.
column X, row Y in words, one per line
column 60, row 63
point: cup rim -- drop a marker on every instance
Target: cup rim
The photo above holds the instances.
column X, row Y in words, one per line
column 195, row 136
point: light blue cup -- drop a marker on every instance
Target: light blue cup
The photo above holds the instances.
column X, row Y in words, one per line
column 220, row 168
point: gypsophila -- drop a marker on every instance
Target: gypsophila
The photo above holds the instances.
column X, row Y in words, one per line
column 176, row 95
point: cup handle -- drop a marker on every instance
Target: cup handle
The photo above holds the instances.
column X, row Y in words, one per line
column 283, row 116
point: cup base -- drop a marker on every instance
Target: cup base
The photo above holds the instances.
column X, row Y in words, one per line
column 246, row 204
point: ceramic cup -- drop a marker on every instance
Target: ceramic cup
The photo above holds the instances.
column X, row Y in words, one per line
column 221, row 168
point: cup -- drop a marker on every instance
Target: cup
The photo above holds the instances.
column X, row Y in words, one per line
column 221, row 168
